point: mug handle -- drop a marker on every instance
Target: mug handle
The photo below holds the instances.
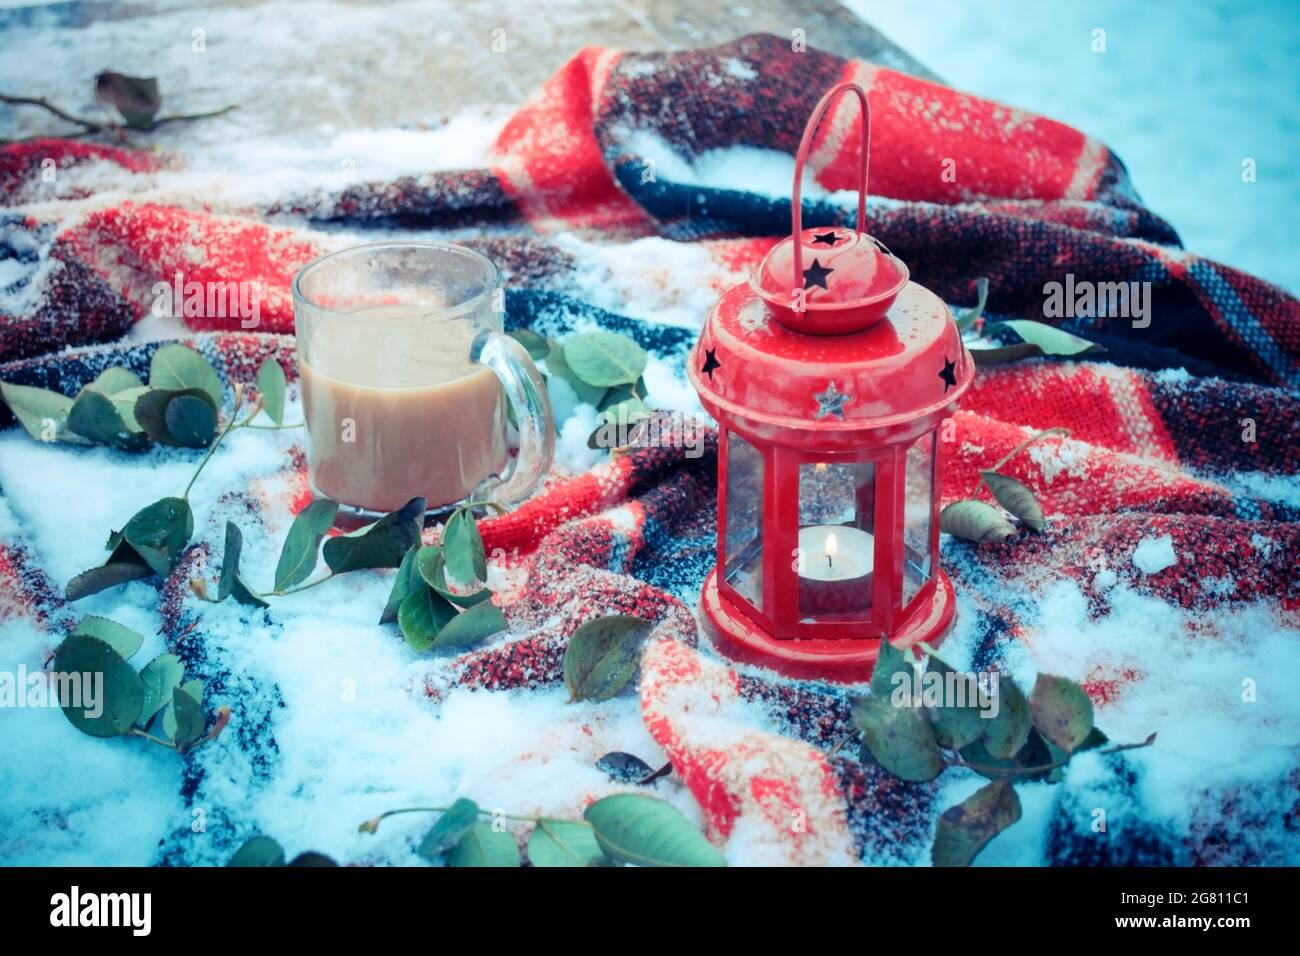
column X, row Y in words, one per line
column 526, row 391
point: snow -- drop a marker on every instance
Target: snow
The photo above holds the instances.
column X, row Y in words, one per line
column 1153, row 555
column 766, row 172
column 354, row 733
column 671, row 283
column 1184, row 93
column 1174, row 673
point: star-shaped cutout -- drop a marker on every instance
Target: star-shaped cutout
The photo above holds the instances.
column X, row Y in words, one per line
column 710, row 363
column 826, row 238
column 816, row 274
column 948, row 374
column 831, row 402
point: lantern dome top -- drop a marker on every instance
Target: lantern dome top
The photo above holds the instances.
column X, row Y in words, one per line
column 751, row 369
column 843, row 281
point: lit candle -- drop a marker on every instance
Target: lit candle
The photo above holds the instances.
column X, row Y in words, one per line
column 836, row 565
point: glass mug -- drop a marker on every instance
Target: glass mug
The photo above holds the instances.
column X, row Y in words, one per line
column 405, row 376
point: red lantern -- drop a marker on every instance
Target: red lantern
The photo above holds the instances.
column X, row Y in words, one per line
column 829, row 392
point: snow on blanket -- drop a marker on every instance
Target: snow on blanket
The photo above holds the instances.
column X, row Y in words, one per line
column 1164, row 582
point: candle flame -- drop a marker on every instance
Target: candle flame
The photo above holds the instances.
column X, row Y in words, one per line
column 832, row 546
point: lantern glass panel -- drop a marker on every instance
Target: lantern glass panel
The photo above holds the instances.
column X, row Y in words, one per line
column 743, row 544
column 918, row 511
column 836, row 557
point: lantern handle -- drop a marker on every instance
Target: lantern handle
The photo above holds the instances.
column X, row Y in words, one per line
column 805, row 146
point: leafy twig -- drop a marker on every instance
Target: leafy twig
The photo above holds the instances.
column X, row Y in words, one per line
column 372, row 825
column 958, row 761
column 1063, row 432
column 230, row 426
column 302, row 587
column 91, row 127
column 137, row 732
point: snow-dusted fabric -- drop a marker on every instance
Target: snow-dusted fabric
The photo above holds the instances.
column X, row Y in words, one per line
column 1157, row 463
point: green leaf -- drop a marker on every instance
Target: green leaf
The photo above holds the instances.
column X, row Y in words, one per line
column 258, row 851
column 954, row 726
column 176, row 367
column 44, row 414
column 125, row 402
column 602, row 656
column 624, row 767
column 471, row 626
column 135, row 97
column 1006, row 733
column 312, row 858
column 115, row 379
column 301, row 544
column 564, row 843
column 604, row 359
column 462, row 548
column 645, row 831
column 159, row 532
column 192, row 687
column 891, row 662
column 191, row 420
column 230, row 561
column 432, row 567
column 537, row 347
column 1016, row 498
column 975, row 521
column 483, row 846
column 967, row 828
column 1062, row 711
column 188, row 715
column 618, row 427
column 271, row 386
column 1036, row 752
column 408, row 578
column 627, row 412
column 621, row 393
column 422, row 615
column 1037, row 338
column 94, row 416
column 559, row 368
column 380, row 545
column 900, row 738
column 125, row 565
column 160, row 677
column 230, row 583
column 967, row 318
column 181, row 417
column 457, row 820
column 1094, row 740
column 117, row 636
column 117, row 701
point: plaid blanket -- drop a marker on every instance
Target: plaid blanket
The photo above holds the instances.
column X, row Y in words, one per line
column 590, row 175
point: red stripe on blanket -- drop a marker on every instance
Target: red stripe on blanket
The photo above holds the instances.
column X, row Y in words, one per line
column 134, row 247
column 776, row 794
column 520, row 531
column 936, row 144
column 551, row 164
column 1118, row 415
column 25, row 165
column 1072, row 477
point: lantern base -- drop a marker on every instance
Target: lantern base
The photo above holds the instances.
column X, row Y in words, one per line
column 842, row 661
